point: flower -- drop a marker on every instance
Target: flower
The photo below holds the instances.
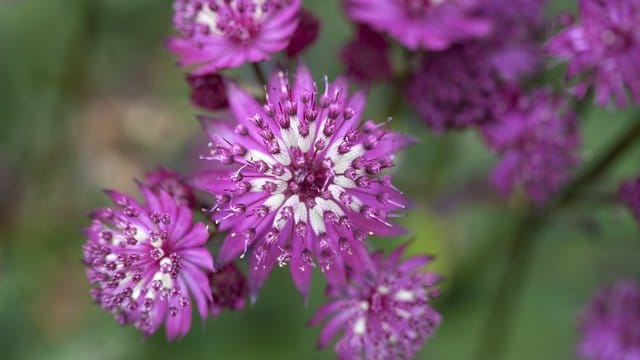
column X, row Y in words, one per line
column 538, row 140
column 208, row 92
column 305, row 34
column 302, row 179
column 228, row 289
column 603, row 50
column 385, row 314
column 610, row 324
column 148, row 261
column 366, row 56
column 173, row 183
column 422, row 24
column 221, row 34
column 630, row 194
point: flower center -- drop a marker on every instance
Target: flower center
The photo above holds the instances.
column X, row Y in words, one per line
column 419, row 8
column 309, row 180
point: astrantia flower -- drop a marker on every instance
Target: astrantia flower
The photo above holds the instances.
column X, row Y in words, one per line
column 208, row 91
column 603, row 50
column 303, row 179
column 173, row 183
column 367, row 57
column 385, row 314
column 305, row 34
column 538, row 141
column 422, row 24
column 610, row 324
column 630, row 195
column 148, row 261
column 228, row 289
column 220, row 34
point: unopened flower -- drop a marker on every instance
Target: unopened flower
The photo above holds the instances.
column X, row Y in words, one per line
column 367, row 57
column 610, row 324
column 148, row 262
column 305, row 34
column 303, row 179
column 228, row 289
column 208, row 91
column 603, row 50
column 422, row 24
column 385, row 314
column 630, row 194
column 173, row 184
column 538, row 141
column 221, row 34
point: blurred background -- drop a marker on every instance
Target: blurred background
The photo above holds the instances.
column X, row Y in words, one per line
column 90, row 99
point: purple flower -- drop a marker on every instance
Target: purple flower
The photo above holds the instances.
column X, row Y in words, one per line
column 173, row 184
column 221, row 34
column 366, row 56
column 303, row 179
column 538, row 141
column 630, row 194
column 603, row 50
column 305, row 34
column 208, row 91
column 610, row 324
column 228, row 289
column 422, row 24
column 148, row 261
column 385, row 314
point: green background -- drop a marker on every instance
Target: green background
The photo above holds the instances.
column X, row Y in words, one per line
column 90, row 98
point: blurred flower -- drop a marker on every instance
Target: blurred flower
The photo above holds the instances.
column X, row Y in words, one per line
column 208, row 92
column 610, row 324
column 305, row 34
column 603, row 50
column 385, row 314
column 538, row 140
column 228, row 289
column 421, row 24
column 630, row 194
column 302, row 179
column 173, row 183
column 147, row 261
column 366, row 56
column 221, row 34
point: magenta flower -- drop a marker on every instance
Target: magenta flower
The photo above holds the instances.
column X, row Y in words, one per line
column 367, row 57
column 173, row 184
column 305, row 34
column 385, row 314
column 603, row 50
column 422, row 24
column 221, row 34
column 630, row 194
column 228, row 289
column 538, row 141
column 148, row 261
column 610, row 324
column 208, row 91
column 302, row 179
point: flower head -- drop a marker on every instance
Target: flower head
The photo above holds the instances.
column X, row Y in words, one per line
column 305, row 34
column 630, row 194
column 385, row 314
column 228, row 289
column 148, row 261
column 303, row 179
column 208, row 91
column 538, row 140
column 610, row 324
column 173, row 184
column 422, row 24
column 220, row 34
column 603, row 50
column 367, row 57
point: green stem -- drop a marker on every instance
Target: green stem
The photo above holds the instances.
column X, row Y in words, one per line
column 497, row 329
column 257, row 71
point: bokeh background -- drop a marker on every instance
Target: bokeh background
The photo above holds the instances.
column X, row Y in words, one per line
column 90, row 99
